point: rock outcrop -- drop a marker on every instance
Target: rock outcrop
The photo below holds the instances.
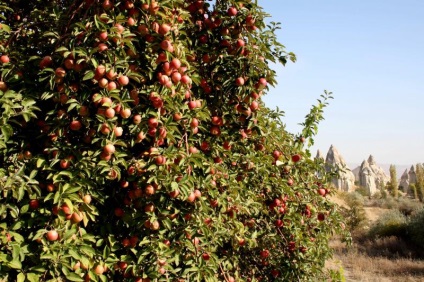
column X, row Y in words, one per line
column 404, row 181
column 412, row 179
column 371, row 176
column 412, row 175
column 346, row 179
column 319, row 155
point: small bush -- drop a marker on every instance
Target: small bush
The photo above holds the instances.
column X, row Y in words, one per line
column 355, row 216
column 362, row 191
column 409, row 206
column 389, row 247
column 389, row 203
column 393, row 223
column 354, row 199
column 415, row 229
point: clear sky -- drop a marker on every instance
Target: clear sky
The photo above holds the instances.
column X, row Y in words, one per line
column 370, row 54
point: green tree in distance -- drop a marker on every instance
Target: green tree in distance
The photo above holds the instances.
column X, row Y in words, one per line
column 393, row 181
column 419, row 186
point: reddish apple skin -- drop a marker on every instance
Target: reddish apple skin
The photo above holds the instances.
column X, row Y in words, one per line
column 34, row 204
column 52, row 235
column 296, row 158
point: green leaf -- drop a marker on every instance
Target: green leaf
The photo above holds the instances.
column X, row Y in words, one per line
column 7, row 131
column 17, row 225
column 32, row 277
column 88, row 75
column 40, row 162
column 74, row 277
column 174, row 185
column 74, row 254
column 20, row 277
column 5, row 27
column 47, row 257
column 61, row 49
column 15, row 264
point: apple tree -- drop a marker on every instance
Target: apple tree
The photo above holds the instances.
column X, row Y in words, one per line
column 135, row 146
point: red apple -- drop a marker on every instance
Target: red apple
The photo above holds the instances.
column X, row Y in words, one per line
column 239, row 81
column 174, row 194
column 152, row 122
column 119, row 212
column 279, row 223
column 322, row 192
column 4, row 59
column 125, row 113
column 118, row 131
column 264, row 254
column 52, row 235
column 321, row 216
column 65, row 163
column 75, row 125
column 262, row 83
column 109, row 113
column 46, row 62
column 296, row 158
column 137, row 119
column 86, row 199
column 99, row 269
column 191, row 197
column 76, row 217
column 123, row 80
column 232, row 11
column 102, row 47
column 100, row 71
column 164, row 28
column 206, row 256
column 192, row 105
column 109, row 149
column 60, row 72
column 34, row 204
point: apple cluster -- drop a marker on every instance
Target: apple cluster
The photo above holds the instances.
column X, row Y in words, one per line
column 135, row 146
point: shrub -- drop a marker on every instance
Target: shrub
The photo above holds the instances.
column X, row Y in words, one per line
column 415, row 229
column 355, row 215
column 362, row 191
column 409, row 206
column 354, row 199
column 392, row 223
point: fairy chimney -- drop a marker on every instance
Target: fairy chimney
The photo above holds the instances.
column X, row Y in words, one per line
column 346, row 180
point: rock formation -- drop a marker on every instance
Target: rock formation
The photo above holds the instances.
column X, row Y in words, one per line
column 404, row 181
column 319, row 155
column 371, row 176
column 412, row 179
column 412, row 175
column 346, row 179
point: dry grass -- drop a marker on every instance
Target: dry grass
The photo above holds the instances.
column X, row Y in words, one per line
column 382, row 260
column 360, row 266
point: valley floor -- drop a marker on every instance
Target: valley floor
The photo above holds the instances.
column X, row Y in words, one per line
column 382, row 260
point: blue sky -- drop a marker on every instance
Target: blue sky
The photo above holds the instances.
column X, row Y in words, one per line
column 370, row 54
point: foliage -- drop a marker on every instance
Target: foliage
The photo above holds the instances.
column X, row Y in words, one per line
column 392, row 223
column 135, row 146
column 355, row 215
column 415, row 229
column 403, row 204
column 409, row 206
column 337, row 275
column 419, row 185
column 413, row 188
column 393, row 184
